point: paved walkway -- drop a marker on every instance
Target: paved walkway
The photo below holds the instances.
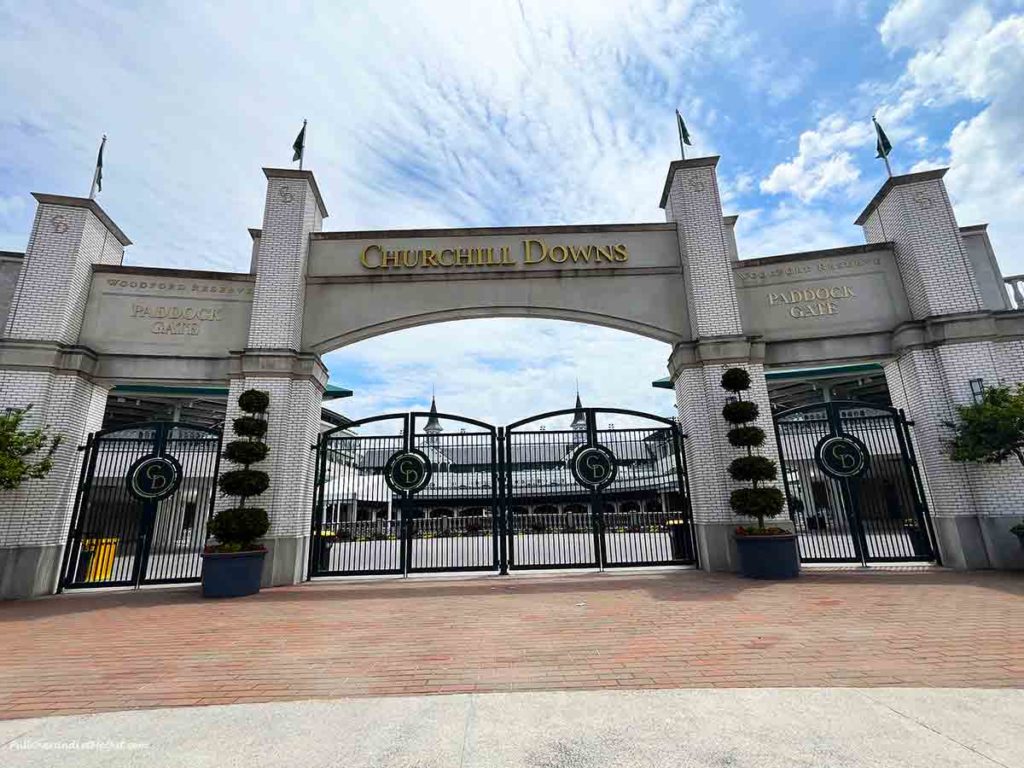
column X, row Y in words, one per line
column 739, row 728
column 666, row 629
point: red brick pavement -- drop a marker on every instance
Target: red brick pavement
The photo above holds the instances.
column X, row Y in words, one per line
column 668, row 629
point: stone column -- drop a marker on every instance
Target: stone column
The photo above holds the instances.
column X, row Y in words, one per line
column 274, row 362
column 952, row 340
column 691, row 200
column 41, row 366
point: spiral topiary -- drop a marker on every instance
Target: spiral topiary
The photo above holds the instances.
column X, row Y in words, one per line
column 237, row 528
column 759, row 501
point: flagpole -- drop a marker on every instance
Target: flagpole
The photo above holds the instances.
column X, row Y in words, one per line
column 679, row 130
column 96, row 170
column 887, row 166
column 302, row 154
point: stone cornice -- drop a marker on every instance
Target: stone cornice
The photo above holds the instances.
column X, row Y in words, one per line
column 191, row 274
column 47, row 356
column 676, row 165
column 716, row 350
column 294, row 173
column 90, row 205
column 568, row 229
column 278, row 363
column 898, row 181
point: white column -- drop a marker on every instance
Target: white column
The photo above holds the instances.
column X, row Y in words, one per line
column 691, row 199
column 41, row 367
column 952, row 340
column 274, row 362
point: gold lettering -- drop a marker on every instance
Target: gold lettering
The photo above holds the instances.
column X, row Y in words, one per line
column 528, row 251
column 464, row 258
column 605, row 252
column 581, row 252
column 364, row 257
column 621, row 254
column 430, row 259
column 444, row 263
column 506, row 256
column 561, row 252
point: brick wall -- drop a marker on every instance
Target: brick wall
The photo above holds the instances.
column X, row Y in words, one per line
column 699, row 399
column 930, row 251
column 290, row 215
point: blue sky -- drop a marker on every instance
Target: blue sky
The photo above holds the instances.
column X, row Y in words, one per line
column 504, row 113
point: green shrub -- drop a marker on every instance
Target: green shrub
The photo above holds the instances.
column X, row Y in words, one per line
column 746, row 437
column 740, row 411
column 736, row 380
column 752, row 469
column 244, row 482
column 250, row 426
column 243, row 452
column 237, row 529
column 254, row 401
column 758, row 502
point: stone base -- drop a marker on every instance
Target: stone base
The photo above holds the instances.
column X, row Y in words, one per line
column 961, row 543
column 1004, row 549
column 716, row 547
column 286, row 560
column 29, row 571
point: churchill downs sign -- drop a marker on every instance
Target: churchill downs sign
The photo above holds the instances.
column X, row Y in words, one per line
column 531, row 252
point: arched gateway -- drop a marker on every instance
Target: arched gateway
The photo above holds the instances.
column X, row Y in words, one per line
column 923, row 298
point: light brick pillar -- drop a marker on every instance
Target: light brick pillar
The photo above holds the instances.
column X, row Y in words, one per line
column 691, row 200
column 952, row 339
column 273, row 362
column 41, row 366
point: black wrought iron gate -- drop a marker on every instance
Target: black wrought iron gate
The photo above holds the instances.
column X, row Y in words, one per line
column 145, row 494
column 852, row 484
column 401, row 494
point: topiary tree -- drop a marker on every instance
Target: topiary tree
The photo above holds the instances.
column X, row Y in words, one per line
column 23, row 454
column 759, row 501
column 237, row 528
column 991, row 431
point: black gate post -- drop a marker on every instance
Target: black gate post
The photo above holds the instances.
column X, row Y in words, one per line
column 920, row 500
column 500, row 510
column 72, row 549
column 850, row 495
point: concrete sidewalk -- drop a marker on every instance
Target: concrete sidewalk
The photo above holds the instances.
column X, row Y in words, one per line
column 818, row 727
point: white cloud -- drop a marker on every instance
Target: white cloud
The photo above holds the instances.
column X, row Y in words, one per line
column 916, row 22
column 502, row 370
column 822, row 164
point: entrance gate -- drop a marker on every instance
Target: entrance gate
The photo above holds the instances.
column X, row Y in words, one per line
column 398, row 494
column 145, row 493
column 852, row 484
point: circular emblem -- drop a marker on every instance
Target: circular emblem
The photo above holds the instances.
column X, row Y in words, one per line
column 841, row 456
column 153, row 478
column 407, row 472
column 60, row 224
column 593, row 466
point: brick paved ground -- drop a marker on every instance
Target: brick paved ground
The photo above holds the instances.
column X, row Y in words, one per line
column 666, row 629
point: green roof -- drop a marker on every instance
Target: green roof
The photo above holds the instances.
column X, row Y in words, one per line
column 332, row 392
column 803, row 373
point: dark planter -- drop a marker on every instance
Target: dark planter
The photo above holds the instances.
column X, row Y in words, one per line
column 232, row 574
column 679, row 537
column 768, row 557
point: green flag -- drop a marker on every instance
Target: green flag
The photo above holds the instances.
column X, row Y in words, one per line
column 97, row 175
column 684, row 135
column 300, row 144
column 882, row 144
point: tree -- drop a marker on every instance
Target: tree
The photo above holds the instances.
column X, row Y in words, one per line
column 238, row 528
column 990, row 431
column 23, row 454
column 759, row 501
